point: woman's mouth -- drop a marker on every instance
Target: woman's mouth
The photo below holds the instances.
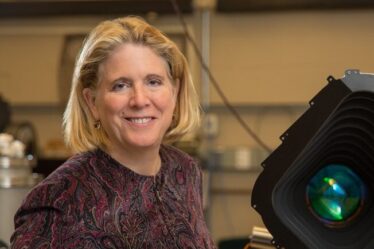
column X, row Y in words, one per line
column 139, row 120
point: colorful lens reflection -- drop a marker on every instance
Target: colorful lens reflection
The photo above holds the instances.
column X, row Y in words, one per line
column 335, row 193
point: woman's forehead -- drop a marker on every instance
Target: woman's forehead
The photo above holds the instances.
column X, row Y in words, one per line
column 132, row 59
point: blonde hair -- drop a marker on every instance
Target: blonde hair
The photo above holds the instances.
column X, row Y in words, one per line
column 78, row 122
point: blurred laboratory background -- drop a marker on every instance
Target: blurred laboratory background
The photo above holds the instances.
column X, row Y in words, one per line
column 268, row 57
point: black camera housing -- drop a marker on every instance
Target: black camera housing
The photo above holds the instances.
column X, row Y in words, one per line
column 338, row 127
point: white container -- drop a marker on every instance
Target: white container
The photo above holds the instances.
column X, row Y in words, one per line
column 16, row 180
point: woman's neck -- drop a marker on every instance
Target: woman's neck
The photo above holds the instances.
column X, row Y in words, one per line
column 141, row 161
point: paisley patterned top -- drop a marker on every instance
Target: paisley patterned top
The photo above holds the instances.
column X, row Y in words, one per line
column 92, row 201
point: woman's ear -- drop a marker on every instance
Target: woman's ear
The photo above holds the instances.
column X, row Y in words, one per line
column 90, row 98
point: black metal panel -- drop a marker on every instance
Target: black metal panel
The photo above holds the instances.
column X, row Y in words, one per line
column 19, row 8
column 294, row 141
column 277, row 5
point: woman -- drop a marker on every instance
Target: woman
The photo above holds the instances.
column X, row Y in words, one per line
column 125, row 188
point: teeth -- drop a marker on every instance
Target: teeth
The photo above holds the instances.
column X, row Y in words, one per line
column 140, row 120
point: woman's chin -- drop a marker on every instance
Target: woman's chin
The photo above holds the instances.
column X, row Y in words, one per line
column 145, row 142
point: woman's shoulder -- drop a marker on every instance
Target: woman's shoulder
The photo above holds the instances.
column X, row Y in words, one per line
column 177, row 158
column 174, row 152
column 55, row 188
column 73, row 166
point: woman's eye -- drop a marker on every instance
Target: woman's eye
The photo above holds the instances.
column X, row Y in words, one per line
column 154, row 82
column 119, row 86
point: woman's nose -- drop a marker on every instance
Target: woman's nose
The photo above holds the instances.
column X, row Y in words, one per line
column 139, row 97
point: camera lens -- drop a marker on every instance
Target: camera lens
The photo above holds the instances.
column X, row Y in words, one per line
column 336, row 194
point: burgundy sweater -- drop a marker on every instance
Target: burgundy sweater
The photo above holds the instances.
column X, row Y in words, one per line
column 92, row 201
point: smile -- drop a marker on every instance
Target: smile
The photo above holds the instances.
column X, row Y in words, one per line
column 139, row 120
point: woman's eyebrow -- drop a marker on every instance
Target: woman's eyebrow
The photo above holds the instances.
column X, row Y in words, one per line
column 153, row 75
column 119, row 79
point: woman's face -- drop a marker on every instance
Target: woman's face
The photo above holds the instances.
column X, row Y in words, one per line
column 135, row 98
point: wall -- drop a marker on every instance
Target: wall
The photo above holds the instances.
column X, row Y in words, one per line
column 268, row 64
column 268, row 57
